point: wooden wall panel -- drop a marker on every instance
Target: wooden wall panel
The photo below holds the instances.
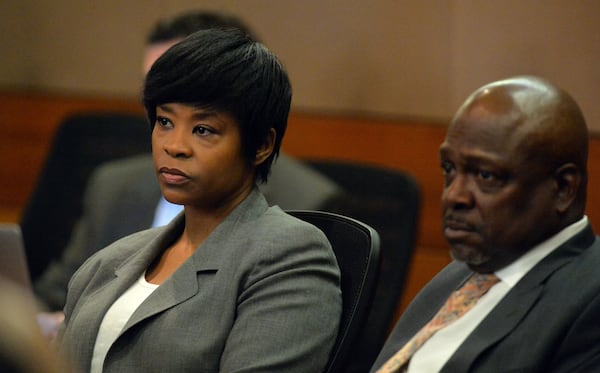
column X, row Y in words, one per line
column 28, row 122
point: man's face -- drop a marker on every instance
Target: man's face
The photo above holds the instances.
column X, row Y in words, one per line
column 497, row 201
column 153, row 51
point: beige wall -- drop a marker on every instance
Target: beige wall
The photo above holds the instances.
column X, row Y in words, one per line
column 382, row 57
column 558, row 39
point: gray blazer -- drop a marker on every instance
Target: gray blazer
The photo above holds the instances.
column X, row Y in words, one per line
column 549, row 322
column 121, row 199
column 261, row 294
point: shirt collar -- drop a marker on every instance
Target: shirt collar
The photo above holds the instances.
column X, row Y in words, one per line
column 512, row 273
column 165, row 212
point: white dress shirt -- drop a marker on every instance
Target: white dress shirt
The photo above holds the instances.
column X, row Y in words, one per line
column 165, row 212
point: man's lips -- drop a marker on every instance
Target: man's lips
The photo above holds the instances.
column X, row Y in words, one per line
column 172, row 175
column 456, row 228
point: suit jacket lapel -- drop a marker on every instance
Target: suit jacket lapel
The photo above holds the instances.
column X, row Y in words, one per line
column 122, row 277
column 500, row 322
column 207, row 258
column 516, row 304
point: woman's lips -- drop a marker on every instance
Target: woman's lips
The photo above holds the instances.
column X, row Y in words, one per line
column 173, row 176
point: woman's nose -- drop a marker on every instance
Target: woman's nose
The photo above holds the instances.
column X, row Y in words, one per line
column 176, row 145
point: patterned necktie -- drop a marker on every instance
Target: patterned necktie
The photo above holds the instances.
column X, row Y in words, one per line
column 457, row 305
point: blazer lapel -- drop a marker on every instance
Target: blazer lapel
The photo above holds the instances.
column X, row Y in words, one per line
column 507, row 315
column 207, row 258
column 500, row 322
column 120, row 279
column 180, row 287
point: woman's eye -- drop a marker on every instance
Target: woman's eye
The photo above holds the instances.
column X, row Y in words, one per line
column 202, row 131
column 163, row 122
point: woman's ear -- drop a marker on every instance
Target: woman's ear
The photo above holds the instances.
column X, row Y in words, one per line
column 265, row 150
column 568, row 180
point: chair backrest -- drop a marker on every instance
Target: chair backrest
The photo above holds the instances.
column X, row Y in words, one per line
column 81, row 143
column 389, row 201
column 356, row 247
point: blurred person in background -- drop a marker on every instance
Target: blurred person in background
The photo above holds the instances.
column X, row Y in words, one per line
column 23, row 349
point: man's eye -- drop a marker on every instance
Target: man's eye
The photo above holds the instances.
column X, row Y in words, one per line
column 446, row 167
column 489, row 179
column 485, row 175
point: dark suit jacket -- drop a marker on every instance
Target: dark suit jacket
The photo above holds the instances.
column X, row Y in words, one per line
column 549, row 322
column 261, row 294
column 121, row 199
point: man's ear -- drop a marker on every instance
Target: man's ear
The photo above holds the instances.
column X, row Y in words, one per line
column 265, row 150
column 568, row 180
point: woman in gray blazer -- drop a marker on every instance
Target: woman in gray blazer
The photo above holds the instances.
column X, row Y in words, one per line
column 231, row 285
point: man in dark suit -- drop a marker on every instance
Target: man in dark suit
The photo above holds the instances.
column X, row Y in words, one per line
column 514, row 165
column 123, row 196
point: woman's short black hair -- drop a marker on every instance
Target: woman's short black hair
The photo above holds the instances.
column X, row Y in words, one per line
column 225, row 70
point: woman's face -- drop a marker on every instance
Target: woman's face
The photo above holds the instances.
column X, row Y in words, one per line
column 198, row 158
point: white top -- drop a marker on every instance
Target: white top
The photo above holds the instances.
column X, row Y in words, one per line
column 116, row 317
column 434, row 354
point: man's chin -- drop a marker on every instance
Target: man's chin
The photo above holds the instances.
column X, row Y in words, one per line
column 472, row 257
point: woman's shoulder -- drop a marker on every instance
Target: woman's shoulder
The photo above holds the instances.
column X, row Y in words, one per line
column 276, row 234
column 279, row 222
column 276, row 242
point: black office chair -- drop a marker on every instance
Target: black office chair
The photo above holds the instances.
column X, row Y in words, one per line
column 356, row 247
column 81, row 143
column 388, row 200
